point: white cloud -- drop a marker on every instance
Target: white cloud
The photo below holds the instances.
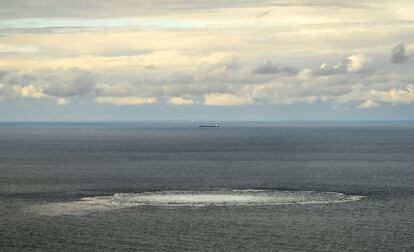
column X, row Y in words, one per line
column 392, row 96
column 4, row 48
column 368, row 104
column 356, row 63
column 226, row 100
column 62, row 101
column 126, row 101
column 395, row 95
column 29, row 91
column 305, row 74
column 181, row 101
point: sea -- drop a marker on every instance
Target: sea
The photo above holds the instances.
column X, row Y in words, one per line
column 173, row 186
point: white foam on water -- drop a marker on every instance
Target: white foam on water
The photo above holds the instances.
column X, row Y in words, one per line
column 191, row 199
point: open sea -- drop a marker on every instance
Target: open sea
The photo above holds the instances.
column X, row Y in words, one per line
column 314, row 186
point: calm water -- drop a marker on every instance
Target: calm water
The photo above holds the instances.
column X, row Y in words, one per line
column 174, row 186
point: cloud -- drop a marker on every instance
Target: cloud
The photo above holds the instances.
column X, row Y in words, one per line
column 3, row 74
column 356, row 63
column 119, row 8
column 395, row 95
column 133, row 52
column 108, row 8
column 49, row 82
column 368, row 104
column 30, row 91
column 154, row 60
column 4, row 48
column 399, row 55
column 2, row 91
column 217, row 67
column 116, row 89
column 181, row 101
column 271, row 68
column 226, row 100
column 381, row 94
column 62, row 101
column 126, row 101
column 305, row 74
column 72, row 82
column 221, row 79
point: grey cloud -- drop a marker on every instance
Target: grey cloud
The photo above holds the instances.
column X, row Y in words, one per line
column 218, row 71
column 67, row 83
column 169, row 84
column 229, row 63
column 70, row 83
column 272, row 68
column 159, row 84
column 399, row 55
column 16, row 78
column 215, row 75
column 3, row 74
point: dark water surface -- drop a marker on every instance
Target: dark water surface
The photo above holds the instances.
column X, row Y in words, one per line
column 81, row 187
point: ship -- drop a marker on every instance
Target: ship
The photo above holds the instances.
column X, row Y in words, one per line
column 210, row 126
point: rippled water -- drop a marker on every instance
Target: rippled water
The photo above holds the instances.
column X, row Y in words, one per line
column 176, row 187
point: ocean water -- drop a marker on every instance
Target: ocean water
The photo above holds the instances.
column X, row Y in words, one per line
column 177, row 187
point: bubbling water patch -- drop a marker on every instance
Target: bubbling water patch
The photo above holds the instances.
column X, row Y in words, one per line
column 192, row 199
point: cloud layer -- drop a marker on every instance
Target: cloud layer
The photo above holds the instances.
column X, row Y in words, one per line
column 230, row 53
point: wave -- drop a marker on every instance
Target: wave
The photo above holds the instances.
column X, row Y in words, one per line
column 192, row 199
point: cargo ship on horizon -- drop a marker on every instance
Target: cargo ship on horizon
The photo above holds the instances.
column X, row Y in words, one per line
column 210, row 126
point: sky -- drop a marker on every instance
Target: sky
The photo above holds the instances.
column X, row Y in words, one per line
column 240, row 60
